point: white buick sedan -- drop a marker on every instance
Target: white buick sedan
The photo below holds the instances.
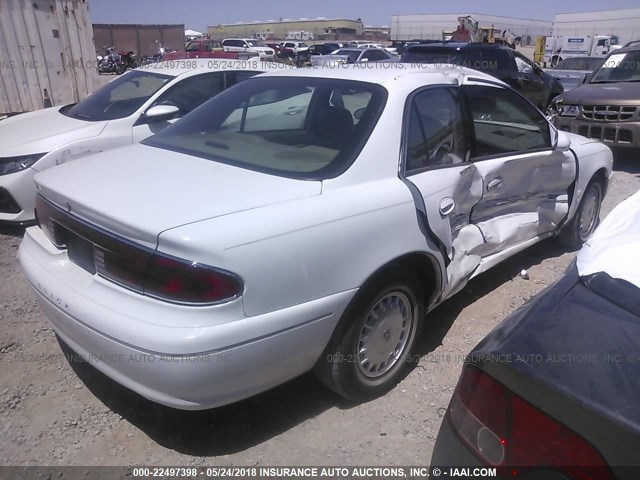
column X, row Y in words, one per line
column 300, row 220
column 126, row 110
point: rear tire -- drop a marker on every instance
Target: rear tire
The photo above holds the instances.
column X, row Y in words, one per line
column 370, row 350
column 586, row 219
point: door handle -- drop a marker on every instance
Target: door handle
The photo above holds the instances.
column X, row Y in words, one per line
column 447, row 205
column 493, row 184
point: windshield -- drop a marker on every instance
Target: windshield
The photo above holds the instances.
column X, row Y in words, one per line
column 119, row 98
column 294, row 127
column 579, row 63
column 256, row 43
column 619, row 67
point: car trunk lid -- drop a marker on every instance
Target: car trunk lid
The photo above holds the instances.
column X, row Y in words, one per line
column 138, row 191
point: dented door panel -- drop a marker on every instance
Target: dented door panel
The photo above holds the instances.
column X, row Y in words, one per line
column 450, row 195
column 524, row 196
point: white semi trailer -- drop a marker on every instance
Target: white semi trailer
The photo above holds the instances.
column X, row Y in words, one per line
column 559, row 48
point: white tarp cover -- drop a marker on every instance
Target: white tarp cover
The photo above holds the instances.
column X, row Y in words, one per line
column 614, row 248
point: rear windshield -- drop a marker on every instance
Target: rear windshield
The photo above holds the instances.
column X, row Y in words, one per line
column 119, row 98
column 295, row 127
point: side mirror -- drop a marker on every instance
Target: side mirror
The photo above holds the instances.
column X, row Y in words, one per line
column 161, row 112
column 586, row 78
column 560, row 140
column 364, row 60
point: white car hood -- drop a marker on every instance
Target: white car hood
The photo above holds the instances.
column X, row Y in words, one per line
column 139, row 191
column 42, row 131
column 613, row 248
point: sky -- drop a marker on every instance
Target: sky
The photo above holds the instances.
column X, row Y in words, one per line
column 198, row 14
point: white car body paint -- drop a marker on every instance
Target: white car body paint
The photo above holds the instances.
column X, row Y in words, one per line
column 612, row 248
column 302, row 248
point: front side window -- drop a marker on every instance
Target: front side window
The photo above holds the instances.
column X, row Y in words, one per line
column 522, row 65
column 192, row 92
column 120, row 97
column 435, row 134
column 504, row 122
column 295, row 127
column 193, row 47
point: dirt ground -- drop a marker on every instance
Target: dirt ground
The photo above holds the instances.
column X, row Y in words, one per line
column 56, row 413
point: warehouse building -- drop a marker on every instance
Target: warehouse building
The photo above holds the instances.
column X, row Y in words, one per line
column 623, row 23
column 301, row 29
column 141, row 39
column 431, row 27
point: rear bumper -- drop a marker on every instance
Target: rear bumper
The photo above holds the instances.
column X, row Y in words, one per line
column 615, row 134
column 186, row 367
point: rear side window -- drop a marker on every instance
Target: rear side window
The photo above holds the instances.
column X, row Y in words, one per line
column 435, row 131
column 374, row 55
column 504, row 122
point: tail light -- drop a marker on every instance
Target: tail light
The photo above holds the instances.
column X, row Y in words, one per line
column 165, row 277
column 189, row 282
column 503, row 430
column 137, row 268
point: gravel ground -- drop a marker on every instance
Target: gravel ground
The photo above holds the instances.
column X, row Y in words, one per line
column 55, row 412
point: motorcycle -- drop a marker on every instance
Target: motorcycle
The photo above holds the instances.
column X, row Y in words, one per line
column 158, row 57
column 111, row 62
column 129, row 59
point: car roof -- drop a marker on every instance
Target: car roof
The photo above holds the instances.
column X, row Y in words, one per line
column 195, row 66
column 387, row 73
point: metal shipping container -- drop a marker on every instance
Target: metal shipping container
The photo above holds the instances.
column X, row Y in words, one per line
column 47, row 57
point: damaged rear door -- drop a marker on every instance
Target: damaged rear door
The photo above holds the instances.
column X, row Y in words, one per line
column 446, row 185
column 525, row 180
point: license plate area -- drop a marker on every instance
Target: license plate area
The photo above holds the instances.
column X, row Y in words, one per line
column 79, row 249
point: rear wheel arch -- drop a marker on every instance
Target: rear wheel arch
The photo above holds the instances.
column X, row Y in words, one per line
column 424, row 266
column 414, row 277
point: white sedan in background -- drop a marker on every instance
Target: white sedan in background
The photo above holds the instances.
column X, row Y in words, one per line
column 128, row 109
column 301, row 220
